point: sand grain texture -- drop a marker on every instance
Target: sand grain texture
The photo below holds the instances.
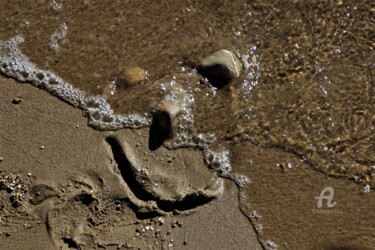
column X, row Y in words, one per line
column 77, row 196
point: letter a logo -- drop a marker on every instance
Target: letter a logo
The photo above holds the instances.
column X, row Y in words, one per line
column 328, row 197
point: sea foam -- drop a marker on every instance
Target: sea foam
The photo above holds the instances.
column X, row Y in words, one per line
column 13, row 63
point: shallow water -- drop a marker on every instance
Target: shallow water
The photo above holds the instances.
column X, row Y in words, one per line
column 307, row 86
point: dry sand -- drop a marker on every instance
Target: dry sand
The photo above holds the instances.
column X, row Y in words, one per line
column 73, row 193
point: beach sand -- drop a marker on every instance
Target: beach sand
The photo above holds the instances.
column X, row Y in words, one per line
column 75, row 196
column 74, row 199
column 282, row 156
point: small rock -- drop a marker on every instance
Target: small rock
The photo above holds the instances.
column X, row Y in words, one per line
column 166, row 116
column 220, row 67
column 1, row 158
column 131, row 76
column 16, row 101
column 161, row 220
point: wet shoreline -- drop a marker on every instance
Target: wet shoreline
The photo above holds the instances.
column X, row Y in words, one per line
column 304, row 98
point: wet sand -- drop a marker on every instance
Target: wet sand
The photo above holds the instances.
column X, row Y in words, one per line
column 74, row 201
column 300, row 61
column 259, row 150
column 82, row 201
column 282, row 197
column 283, row 192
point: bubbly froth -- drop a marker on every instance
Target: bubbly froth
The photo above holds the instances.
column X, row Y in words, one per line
column 15, row 64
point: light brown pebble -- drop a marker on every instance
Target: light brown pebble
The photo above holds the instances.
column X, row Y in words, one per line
column 131, row 76
column 161, row 220
column 1, row 159
column 221, row 64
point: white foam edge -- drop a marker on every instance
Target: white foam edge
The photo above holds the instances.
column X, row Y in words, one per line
column 184, row 99
column 16, row 65
column 220, row 161
column 269, row 245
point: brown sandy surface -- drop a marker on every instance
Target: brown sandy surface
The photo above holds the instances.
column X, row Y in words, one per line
column 307, row 83
column 283, row 192
column 74, row 193
column 298, row 119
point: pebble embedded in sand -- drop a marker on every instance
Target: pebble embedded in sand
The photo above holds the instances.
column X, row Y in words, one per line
column 1, row 158
column 16, row 100
column 166, row 116
column 221, row 65
column 161, row 221
column 131, row 76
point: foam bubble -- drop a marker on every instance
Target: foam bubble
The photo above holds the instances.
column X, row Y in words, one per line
column 219, row 161
column 56, row 5
column 241, row 181
column 58, row 36
column 252, row 69
column 254, row 215
column 258, row 228
column 269, row 245
column 184, row 99
column 14, row 64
